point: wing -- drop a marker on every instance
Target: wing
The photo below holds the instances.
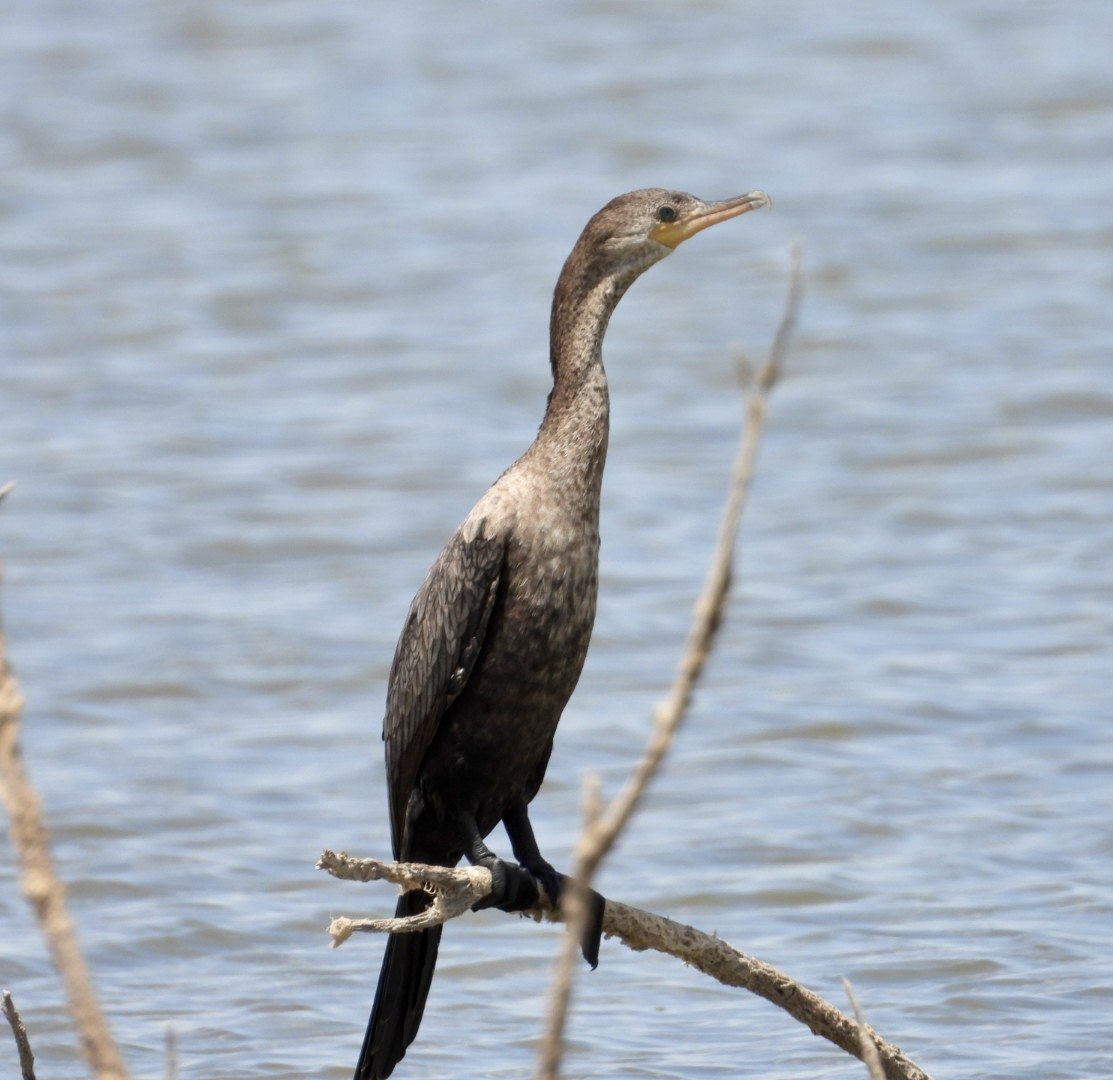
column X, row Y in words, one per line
column 438, row 648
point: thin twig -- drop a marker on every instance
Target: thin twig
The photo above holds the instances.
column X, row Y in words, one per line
column 866, row 1037
column 171, row 1054
column 22, row 1043
column 638, row 930
column 42, row 886
column 598, row 838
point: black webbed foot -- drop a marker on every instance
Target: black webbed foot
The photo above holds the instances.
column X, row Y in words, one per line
column 554, row 885
column 513, row 888
column 516, row 888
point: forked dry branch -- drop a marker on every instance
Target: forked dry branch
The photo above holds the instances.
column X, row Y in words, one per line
column 456, row 890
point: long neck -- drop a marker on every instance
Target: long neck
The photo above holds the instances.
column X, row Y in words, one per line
column 573, row 436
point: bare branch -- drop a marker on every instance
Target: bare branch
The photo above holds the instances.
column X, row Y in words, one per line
column 454, row 891
column 43, row 888
column 598, row 837
column 638, row 930
column 22, row 1043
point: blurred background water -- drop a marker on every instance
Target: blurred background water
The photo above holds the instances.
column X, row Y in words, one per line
column 275, row 283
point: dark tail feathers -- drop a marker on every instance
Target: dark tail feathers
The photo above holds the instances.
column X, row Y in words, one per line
column 404, row 982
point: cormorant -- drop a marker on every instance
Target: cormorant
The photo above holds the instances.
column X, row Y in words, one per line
column 495, row 639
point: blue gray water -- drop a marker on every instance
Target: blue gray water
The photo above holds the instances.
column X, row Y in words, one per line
column 275, row 281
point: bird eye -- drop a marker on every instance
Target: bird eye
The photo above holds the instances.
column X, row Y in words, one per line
column 666, row 213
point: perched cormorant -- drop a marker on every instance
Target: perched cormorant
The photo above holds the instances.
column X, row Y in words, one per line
column 495, row 639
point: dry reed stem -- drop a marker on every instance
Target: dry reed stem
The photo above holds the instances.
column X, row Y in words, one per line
column 22, row 1043
column 866, row 1036
column 171, row 1054
column 598, row 837
column 42, row 886
column 455, row 890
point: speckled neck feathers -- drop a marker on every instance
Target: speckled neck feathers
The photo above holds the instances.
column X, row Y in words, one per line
column 572, row 442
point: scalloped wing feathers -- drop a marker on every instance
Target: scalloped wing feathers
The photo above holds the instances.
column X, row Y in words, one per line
column 440, row 643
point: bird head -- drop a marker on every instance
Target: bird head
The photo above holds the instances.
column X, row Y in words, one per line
column 635, row 230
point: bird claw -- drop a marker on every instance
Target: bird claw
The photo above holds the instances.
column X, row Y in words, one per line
column 555, row 885
column 513, row 888
column 517, row 888
column 593, row 928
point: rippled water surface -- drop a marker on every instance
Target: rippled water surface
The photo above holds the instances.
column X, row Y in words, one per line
column 274, row 282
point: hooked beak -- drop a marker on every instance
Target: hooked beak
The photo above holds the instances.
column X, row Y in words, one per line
column 674, row 233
